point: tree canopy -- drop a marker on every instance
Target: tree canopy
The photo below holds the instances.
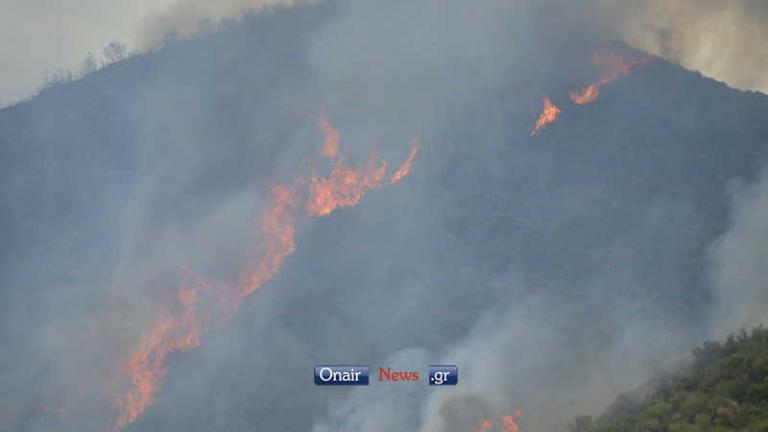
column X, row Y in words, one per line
column 724, row 389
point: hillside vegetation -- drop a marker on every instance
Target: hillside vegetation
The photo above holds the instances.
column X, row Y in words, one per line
column 725, row 389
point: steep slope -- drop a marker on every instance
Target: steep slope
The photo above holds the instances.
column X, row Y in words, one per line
column 598, row 225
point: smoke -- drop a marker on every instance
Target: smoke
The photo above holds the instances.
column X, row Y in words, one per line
column 390, row 407
column 58, row 37
column 556, row 270
column 722, row 40
column 739, row 258
column 187, row 17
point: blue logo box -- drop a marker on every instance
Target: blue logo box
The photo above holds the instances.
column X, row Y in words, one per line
column 341, row 375
column 440, row 375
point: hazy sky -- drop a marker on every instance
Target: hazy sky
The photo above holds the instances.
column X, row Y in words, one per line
column 46, row 35
column 723, row 40
column 40, row 35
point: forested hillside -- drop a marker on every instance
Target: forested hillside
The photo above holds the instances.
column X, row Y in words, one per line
column 725, row 389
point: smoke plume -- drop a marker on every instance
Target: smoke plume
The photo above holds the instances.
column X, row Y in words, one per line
column 184, row 240
column 722, row 40
column 738, row 257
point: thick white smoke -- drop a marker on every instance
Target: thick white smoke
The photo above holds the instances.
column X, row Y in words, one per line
column 722, row 40
column 725, row 40
column 187, row 17
column 740, row 261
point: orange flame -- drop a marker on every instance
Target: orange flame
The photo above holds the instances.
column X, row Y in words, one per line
column 485, row 425
column 278, row 230
column 549, row 113
column 344, row 186
column 511, row 423
column 587, row 94
column 146, row 363
column 318, row 196
column 507, row 423
column 405, row 168
column 614, row 67
column 332, row 137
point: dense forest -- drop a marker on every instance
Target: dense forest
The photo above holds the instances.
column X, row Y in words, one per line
column 724, row 389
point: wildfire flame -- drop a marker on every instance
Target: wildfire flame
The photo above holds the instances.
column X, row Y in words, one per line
column 278, row 230
column 146, row 363
column 485, row 425
column 405, row 168
column 510, row 423
column 332, row 138
column 313, row 195
column 507, row 423
column 614, row 67
column 588, row 94
column 549, row 113
column 344, row 186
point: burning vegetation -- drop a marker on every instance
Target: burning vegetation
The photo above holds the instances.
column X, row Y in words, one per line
column 614, row 66
column 506, row 423
column 181, row 327
column 549, row 113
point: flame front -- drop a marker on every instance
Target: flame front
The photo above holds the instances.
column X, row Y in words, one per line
column 507, row 423
column 278, row 231
column 344, row 186
column 332, row 137
column 485, row 425
column 405, row 168
column 614, row 67
column 549, row 113
column 511, row 423
column 314, row 195
column 146, row 364
column 587, row 94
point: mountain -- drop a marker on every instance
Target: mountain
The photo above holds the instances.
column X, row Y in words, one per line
column 539, row 264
